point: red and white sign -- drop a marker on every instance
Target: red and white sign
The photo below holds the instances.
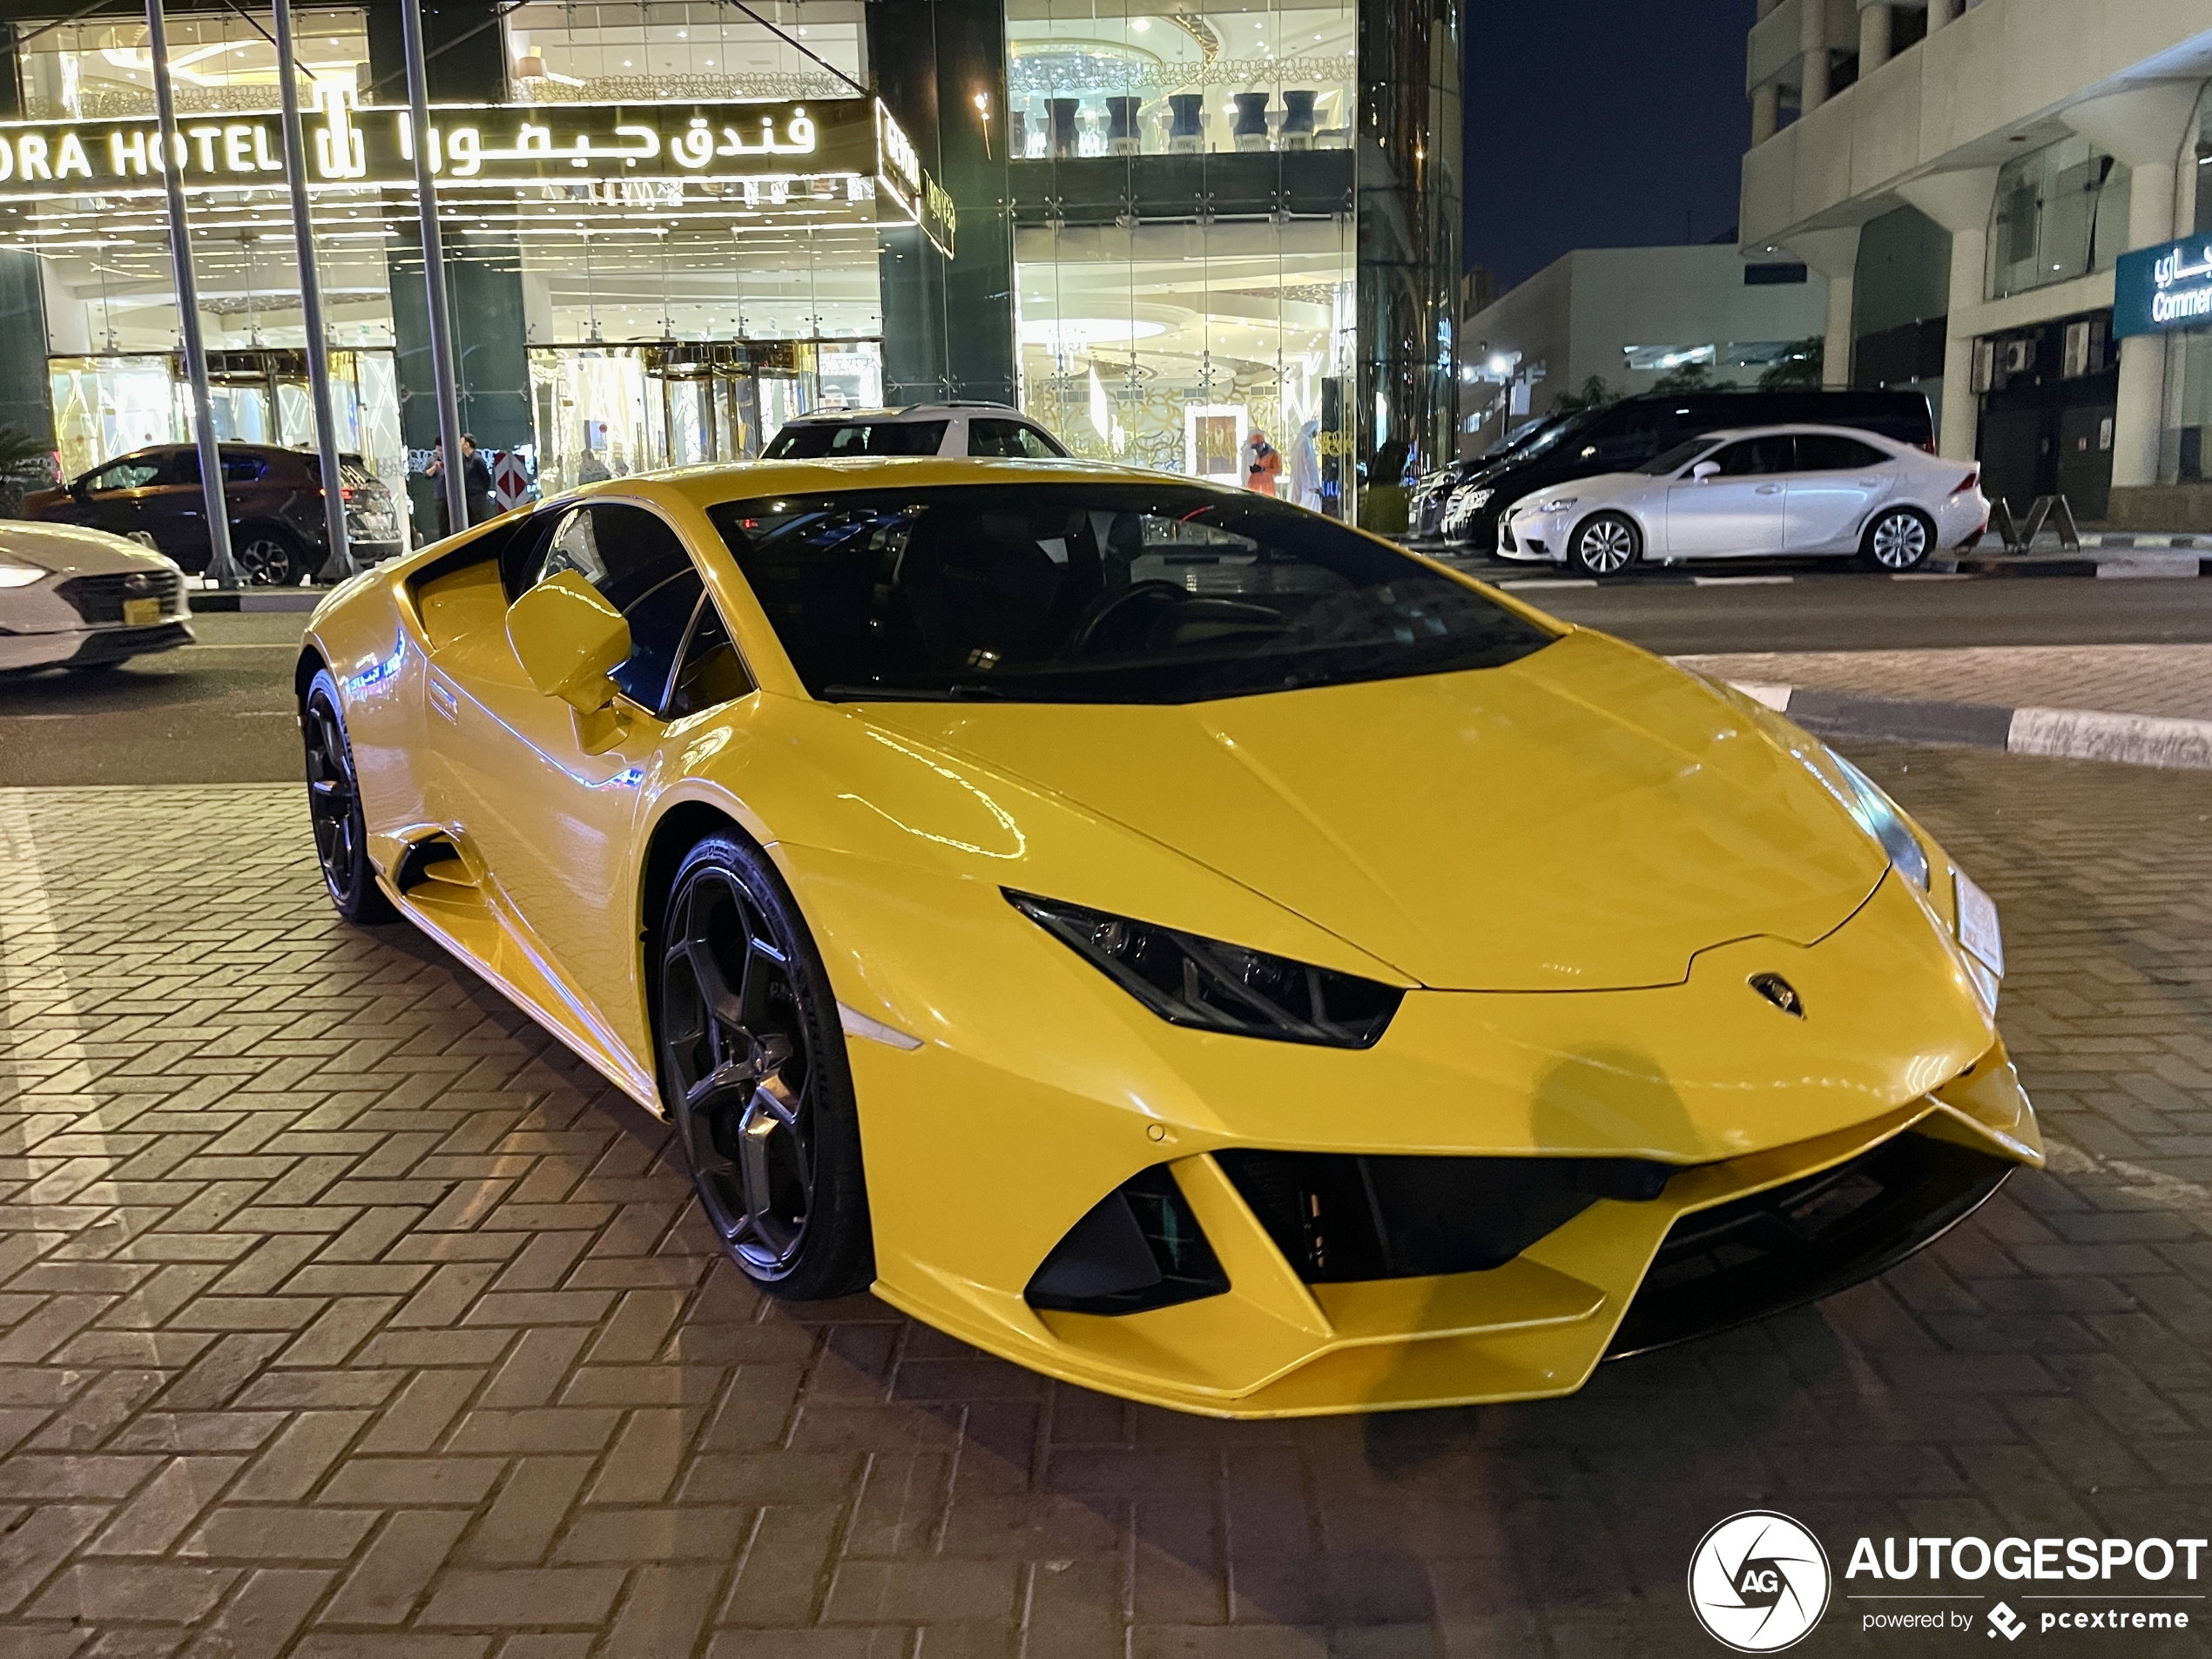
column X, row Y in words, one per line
column 511, row 479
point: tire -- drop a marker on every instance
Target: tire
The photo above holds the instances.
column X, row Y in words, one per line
column 334, row 807
column 1898, row 539
column 1604, row 544
column 754, row 1075
column 268, row 557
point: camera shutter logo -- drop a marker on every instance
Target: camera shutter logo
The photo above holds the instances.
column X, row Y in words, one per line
column 1758, row 1581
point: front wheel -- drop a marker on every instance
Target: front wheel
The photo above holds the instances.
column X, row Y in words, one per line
column 1605, row 545
column 269, row 558
column 1899, row 539
column 753, row 1073
column 334, row 807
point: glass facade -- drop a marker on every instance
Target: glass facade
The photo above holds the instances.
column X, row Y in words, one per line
column 1164, row 209
column 2059, row 213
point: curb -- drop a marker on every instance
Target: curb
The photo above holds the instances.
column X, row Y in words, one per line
column 211, row 600
column 2067, row 734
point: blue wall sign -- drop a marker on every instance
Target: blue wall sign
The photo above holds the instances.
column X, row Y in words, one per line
column 2159, row 290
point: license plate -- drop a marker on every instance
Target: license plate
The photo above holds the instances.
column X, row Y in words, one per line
column 1977, row 929
column 141, row 613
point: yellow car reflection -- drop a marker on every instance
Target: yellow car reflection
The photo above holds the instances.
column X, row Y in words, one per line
column 1164, row 937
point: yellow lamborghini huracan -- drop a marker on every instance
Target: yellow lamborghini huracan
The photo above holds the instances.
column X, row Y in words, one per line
column 1164, row 937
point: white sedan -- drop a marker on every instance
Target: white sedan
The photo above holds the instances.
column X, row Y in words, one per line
column 1802, row 490
column 77, row 599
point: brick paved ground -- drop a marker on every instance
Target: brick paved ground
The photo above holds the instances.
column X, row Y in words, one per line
column 2175, row 681
column 344, row 1314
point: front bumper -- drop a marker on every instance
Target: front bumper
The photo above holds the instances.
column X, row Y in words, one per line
column 987, row 1149
column 84, row 647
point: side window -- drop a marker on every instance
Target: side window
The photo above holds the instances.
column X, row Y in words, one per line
column 1012, row 440
column 1754, row 457
column 711, row 672
column 243, row 469
column 182, row 468
column 125, row 475
column 639, row 565
column 1627, row 438
column 1827, row 452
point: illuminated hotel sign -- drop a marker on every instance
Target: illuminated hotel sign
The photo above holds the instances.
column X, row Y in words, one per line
column 637, row 152
column 2158, row 290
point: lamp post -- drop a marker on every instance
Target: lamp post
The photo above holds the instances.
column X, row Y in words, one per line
column 340, row 564
column 222, row 568
column 434, row 271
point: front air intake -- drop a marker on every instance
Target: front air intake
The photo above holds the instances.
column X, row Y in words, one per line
column 1136, row 1249
column 1341, row 1217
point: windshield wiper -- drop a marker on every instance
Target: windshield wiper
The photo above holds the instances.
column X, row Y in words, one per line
column 960, row 691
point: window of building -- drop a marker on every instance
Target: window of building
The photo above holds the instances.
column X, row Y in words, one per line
column 2059, row 213
column 219, row 60
column 559, row 51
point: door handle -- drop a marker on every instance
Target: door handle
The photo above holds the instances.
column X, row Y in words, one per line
column 443, row 698
column 1770, row 490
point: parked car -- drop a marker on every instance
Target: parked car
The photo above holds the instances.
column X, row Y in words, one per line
column 1433, row 492
column 1626, row 434
column 274, row 496
column 1803, row 490
column 995, row 430
column 82, row 599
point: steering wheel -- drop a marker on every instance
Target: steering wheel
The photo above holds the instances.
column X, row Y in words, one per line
column 1085, row 633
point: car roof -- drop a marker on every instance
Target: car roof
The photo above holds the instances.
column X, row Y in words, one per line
column 903, row 412
column 1783, row 428
column 714, row 483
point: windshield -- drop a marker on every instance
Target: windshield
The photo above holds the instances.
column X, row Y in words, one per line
column 1680, row 455
column 1546, row 439
column 815, row 439
column 1097, row 593
column 1515, row 443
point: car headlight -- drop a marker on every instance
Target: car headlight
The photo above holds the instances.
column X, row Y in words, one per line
column 1188, row 980
column 1559, row 505
column 20, row 575
column 1877, row 815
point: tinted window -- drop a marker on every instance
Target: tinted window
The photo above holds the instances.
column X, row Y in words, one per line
column 1831, row 452
column 1752, row 456
column 125, row 475
column 1011, row 439
column 711, row 672
column 817, row 440
column 243, row 469
column 1680, row 456
column 1097, row 593
column 639, row 563
column 1627, row 437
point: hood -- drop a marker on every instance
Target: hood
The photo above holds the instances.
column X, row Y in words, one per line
column 1585, row 819
column 71, row 549
column 1597, row 486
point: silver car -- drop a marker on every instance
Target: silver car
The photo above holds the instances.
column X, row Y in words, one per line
column 1787, row 490
column 82, row 599
column 990, row 429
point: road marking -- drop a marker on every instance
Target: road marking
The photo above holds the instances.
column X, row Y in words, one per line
column 1548, row 581
column 1931, row 575
column 1741, row 581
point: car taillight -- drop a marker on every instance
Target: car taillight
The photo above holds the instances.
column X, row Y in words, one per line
column 1967, row 482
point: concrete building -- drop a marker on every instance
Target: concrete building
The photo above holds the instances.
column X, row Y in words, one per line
column 1630, row 317
column 1972, row 179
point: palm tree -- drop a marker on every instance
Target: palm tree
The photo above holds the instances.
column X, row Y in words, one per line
column 26, row 462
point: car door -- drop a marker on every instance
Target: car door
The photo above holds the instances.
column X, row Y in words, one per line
column 1837, row 479
column 1737, row 509
column 552, row 818
column 110, row 498
column 174, row 510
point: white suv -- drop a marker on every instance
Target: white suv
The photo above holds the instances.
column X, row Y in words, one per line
column 990, row 429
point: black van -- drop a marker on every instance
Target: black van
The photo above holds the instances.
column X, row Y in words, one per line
column 1624, row 435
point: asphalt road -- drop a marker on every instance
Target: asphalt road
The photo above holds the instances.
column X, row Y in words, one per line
column 222, row 710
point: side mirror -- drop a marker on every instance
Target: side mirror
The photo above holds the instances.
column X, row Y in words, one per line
column 1706, row 469
column 569, row 641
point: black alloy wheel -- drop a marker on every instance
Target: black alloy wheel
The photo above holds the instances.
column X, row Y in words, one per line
column 754, row 1072
column 334, row 807
column 1899, row 539
column 268, row 558
column 1605, row 545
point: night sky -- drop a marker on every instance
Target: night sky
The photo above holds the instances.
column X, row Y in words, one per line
column 1600, row 123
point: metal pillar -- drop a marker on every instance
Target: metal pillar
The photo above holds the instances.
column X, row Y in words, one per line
column 340, row 564
column 221, row 567
column 434, row 272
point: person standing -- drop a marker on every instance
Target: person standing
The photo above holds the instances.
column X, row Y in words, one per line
column 1265, row 466
column 475, row 481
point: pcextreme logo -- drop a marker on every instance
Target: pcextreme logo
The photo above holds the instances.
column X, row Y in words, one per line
column 1758, row 1581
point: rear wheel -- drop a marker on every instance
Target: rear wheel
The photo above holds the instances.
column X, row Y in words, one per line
column 269, row 558
column 754, row 1072
column 1899, row 539
column 334, row 807
column 1605, row 545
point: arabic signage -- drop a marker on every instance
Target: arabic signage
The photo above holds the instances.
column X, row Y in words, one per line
column 840, row 149
column 2159, row 290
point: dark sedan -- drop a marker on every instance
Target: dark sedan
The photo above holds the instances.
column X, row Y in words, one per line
column 275, row 498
